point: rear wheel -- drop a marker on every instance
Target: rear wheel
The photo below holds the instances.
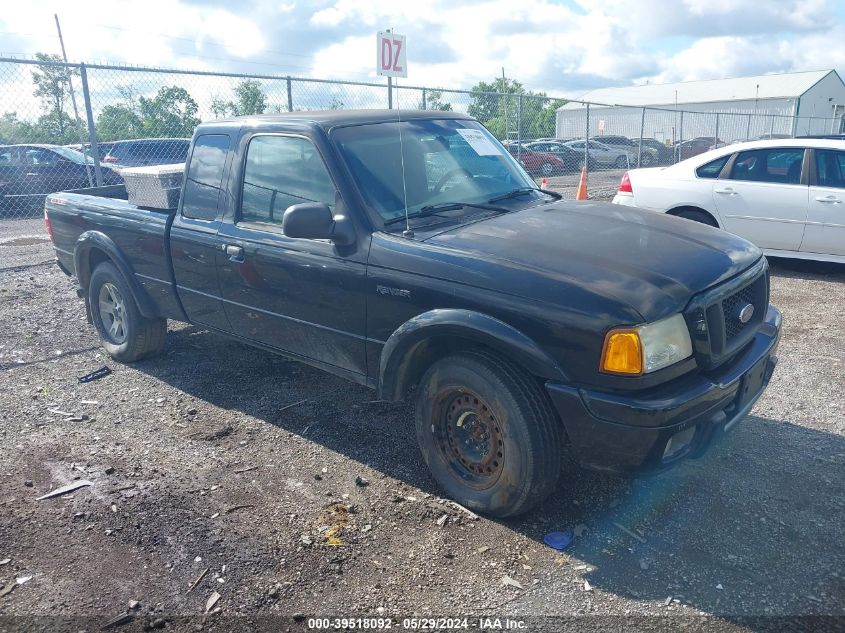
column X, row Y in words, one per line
column 547, row 169
column 124, row 332
column 621, row 161
column 698, row 216
column 488, row 433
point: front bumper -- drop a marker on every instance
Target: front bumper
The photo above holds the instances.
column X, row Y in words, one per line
column 651, row 430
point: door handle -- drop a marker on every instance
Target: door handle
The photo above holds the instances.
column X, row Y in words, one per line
column 235, row 253
column 727, row 190
column 828, row 199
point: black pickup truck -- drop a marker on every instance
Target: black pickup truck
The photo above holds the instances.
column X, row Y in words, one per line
column 409, row 252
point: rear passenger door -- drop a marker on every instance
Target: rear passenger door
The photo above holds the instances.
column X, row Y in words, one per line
column 825, row 232
column 194, row 243
column 764, row 197
column 302, row 296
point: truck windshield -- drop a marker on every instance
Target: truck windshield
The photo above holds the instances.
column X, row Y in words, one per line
column 445, row 161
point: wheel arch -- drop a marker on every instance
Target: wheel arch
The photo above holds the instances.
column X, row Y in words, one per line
column 93, row 248
column 677, row 210
column 422, row 340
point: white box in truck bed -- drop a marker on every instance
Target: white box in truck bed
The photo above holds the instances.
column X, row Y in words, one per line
column 154, row 186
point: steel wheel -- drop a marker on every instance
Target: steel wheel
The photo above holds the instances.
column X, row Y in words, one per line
column 469, row 437
column 113, row 312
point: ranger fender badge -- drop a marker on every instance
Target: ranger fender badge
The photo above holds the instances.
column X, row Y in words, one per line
column 394, row 292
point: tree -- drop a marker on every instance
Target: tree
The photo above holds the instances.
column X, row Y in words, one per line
column 250, row 99
column 117, row 122
column 13, row 130
column 434, row 101
column 513, row 112
column 488, row 106
column 52, row 86
column 120, row 120
column 172, row 112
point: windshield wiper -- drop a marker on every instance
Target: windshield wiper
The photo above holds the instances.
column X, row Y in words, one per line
column 434, row 209
column 522, row 191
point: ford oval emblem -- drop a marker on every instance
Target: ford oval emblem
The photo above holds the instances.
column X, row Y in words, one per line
column 746, row 313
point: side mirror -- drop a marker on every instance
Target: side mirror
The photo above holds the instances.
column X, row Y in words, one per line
column 314, row 221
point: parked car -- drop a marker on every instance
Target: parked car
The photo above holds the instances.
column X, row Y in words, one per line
column 148, row 151
column 787, row 196
column 631, row 147
column 603, row 155
column 664, row 152
column 30, row 172
column 695, row 146
column 571, row 159
column 537, row 163
column 524, row 325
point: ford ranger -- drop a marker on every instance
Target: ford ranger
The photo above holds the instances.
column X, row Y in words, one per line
column 409, row 252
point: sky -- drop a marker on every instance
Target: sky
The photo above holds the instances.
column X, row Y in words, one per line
column 564, row 48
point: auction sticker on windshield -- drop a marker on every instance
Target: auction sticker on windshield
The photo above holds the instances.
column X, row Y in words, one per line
column 480, row 143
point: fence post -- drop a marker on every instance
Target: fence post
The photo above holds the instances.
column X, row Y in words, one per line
column 833, row 118
column 424, row 104
column 587, row 140
column 390, row 93
column 640, row 144
column 716, row 137
column 748, row 128
column 92, row 131
column 518, row 125
column 772, row 127
column 680, row 136
column 290, row 96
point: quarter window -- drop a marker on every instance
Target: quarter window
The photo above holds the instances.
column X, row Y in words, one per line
column 204, row 176
column 282, row 171
column 713, row 168
column 777, row 165
column 830, row 168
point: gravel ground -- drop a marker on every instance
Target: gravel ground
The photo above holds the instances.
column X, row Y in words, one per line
column 219, row 457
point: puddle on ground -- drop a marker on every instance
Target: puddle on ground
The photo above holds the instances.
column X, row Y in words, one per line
column 27, row 240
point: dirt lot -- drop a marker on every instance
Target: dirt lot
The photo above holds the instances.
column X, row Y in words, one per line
column 219, row 457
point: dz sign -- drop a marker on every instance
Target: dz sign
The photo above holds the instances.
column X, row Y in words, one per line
column 391, row 55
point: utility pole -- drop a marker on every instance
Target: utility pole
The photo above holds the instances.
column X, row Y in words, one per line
column 73, row 101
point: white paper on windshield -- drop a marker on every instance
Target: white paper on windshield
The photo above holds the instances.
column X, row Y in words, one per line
column 480, row 143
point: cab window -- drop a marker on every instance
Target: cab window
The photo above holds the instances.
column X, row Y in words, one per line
column 282, row 171
column 204, row 176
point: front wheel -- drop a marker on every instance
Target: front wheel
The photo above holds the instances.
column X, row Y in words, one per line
column 488, row 433
column 547, row 169
column 124, row 332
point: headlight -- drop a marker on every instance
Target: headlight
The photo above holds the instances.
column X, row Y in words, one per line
column 646, row 348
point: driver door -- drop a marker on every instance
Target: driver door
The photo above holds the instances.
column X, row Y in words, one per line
column 305, row 297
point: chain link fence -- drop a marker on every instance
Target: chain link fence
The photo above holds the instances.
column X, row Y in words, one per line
column 67, row 126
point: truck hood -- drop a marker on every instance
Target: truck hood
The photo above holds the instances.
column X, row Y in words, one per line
column 653, row 262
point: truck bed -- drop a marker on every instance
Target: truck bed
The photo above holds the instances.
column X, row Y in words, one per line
column 140, row 234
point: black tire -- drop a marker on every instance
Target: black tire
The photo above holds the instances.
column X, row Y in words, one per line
column 621, row 162
column 547, row 169
column 139, row 336
column 477, row 401
column 698, row 216
column 646, row 159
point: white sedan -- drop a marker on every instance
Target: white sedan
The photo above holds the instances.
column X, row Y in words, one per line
column 785, row 195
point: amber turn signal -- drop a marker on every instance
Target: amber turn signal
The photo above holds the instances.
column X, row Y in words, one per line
column 622, row 352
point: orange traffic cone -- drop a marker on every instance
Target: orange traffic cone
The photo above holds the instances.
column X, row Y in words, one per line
column 544, row 182
column 582, row 185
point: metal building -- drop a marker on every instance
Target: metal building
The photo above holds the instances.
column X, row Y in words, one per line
column 811, row 102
